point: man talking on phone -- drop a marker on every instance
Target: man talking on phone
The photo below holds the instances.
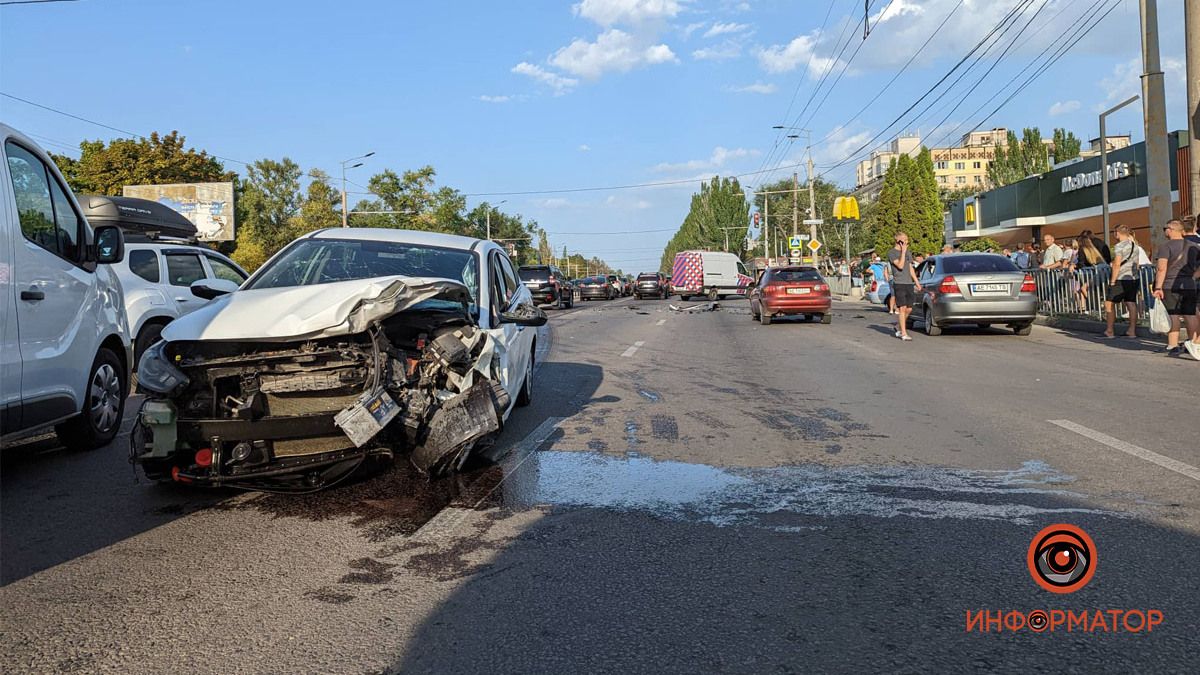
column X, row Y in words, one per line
column 904, row 282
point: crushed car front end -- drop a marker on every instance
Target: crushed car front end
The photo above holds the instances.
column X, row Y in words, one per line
column 410, row 373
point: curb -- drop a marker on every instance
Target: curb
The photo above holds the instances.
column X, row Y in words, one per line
column 1089, row 326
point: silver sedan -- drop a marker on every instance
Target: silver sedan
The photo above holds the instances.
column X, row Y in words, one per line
column 976, row 289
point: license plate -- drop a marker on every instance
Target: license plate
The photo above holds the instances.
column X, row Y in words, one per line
column 799, row 291
column 532, row 283
column 990, row 288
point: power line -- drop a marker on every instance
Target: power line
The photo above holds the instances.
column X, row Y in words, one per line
column 845, row 66
column 31, row 2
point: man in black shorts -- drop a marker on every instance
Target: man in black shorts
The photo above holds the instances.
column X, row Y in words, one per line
column 1176, row 263
column 904, row 283
column 1123, row 285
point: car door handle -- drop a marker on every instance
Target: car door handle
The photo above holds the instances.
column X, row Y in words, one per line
column 33, row 294
column 181, row 299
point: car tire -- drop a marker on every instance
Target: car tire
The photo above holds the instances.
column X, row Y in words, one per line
column 764, row 319
column 147, row 336
column 684, row 298
column 827, row 319
column 103, row 405
column 525, row 395
column 931, row 327
column 1023, row 329
column 753, row 314
column 713, row 295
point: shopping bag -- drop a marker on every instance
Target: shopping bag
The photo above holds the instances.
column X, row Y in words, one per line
column 1160, row 323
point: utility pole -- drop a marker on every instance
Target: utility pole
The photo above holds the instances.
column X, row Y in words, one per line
column 795, row 208
column 812, row 199
column 1158, row 171
column 488, row 220
column 767, row 228
column 1191, row 36
column 345, row 211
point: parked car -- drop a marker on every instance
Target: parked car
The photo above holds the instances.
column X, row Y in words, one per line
column 64, row 337
column 712, row 273
column 347, row 345
column 547, row 285
column 596, row 288
column 878, row 288
column 791, row 291
column 160, row 264
column 651, row 284
column 974, row 289
column 628, row 284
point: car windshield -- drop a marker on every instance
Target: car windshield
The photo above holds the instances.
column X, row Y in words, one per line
column 534, row 273
column 309, row 262
column 795, row 275
column 967, row 264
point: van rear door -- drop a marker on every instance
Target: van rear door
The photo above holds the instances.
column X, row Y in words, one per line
column 10, row 349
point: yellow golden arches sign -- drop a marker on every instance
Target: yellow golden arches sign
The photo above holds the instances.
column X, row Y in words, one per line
column 845, row 208
column 969, row 213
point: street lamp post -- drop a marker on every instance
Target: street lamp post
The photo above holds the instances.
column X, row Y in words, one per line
column 488, row 218
column 345, row 211
column 1104, row 160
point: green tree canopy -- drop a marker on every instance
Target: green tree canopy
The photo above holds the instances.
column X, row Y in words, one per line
column 1019, row 158
column 908, row 202
column 153, row 160
column 720, row 204
column 1066, row 145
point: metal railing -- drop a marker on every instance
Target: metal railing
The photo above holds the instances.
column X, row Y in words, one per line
column 1082, row 292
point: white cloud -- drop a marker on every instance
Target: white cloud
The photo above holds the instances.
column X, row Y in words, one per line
column 553, row 203
column 720, row 157
column 1063, row 107
column 797, row 53
column 692, row 28
column 1126, row 80
column 722, row 52
column 558, row 83
column 756, row 88
column 585, row 148
column 613, row 51
column 642, row 204
column 719, row 28
column 837, row 147
column 610, row 12
column 494, row 99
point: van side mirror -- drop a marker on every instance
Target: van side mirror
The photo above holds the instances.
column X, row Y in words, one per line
column 109, row 246
column 212, row 288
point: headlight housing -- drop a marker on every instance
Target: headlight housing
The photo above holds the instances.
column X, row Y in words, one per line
column 156, row 373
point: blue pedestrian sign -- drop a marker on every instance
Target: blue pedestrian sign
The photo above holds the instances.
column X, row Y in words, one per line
column 796, row 241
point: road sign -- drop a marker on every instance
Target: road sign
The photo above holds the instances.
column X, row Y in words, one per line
column 796, row 252
column 814, row 245
column 814, row 221
column 796, row 241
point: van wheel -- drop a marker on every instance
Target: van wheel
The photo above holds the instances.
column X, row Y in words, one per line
column 713, row 295
column 684, row 298
column 103, row 405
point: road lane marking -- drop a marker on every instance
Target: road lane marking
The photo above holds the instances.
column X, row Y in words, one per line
column 660, row 322
column 447, row 520
column 632, row 350
column 1131, row 449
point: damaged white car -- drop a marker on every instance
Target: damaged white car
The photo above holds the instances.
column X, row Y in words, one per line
column 348, row 344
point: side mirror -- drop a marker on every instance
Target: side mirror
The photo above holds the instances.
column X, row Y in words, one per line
column 524, row 315
column 109, row 248
column 211, row 288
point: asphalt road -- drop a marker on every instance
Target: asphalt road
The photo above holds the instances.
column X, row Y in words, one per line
column 688, row 492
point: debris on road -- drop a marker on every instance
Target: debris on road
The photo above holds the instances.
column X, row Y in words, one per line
column 702, row 307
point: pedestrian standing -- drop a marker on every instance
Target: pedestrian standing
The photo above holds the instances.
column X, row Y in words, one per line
column 1190, row 234
column 1021, row 256
column 904, row 283
column 1053, row 256
column 1100, row 245
column 1123, row 282
column 1177, row 262
column 1085, row 267
column 947, row 249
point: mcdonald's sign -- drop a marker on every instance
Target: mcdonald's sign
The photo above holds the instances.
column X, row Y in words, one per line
column 845, row 208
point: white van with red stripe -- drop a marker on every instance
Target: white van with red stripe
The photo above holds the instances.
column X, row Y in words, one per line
column 715, row 274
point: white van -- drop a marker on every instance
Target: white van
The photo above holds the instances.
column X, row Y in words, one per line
column 64, row 341
column 712, row 273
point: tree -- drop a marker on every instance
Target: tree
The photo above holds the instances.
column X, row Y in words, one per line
column 269, row 200
column 1066, row 145
column 909, row 202
column 320, row 208
column 1019, row 158
column 779, row 209
column 152, row 160
column 953, row 195
column 980, row 245
column 717, row 214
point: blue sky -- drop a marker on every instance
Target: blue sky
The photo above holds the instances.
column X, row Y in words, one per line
column 530, row 96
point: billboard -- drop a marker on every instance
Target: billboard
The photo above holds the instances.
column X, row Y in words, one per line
column 209, row 206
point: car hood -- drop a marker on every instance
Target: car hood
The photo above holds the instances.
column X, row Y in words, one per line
column 309, row 312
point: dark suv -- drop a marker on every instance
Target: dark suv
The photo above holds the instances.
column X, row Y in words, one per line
column 547, row 284
column 650, row 285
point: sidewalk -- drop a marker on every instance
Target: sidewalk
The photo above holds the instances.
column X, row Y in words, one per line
column 1086, row 325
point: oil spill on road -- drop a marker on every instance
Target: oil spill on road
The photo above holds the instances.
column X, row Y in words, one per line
column 788, row 496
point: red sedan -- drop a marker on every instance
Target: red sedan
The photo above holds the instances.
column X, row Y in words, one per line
column 791, row 291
